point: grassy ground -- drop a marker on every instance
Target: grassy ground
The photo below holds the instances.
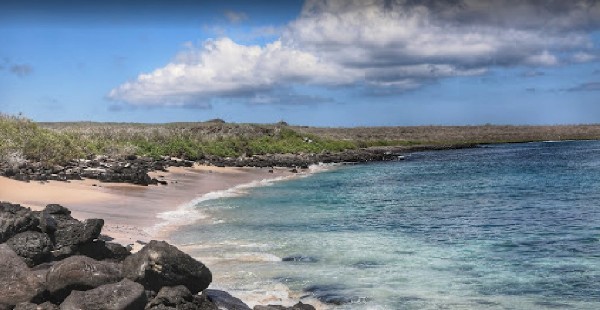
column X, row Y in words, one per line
column 56, row 142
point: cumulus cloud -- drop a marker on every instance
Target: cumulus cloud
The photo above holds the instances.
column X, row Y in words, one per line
column 386, row 46
column 223, row 68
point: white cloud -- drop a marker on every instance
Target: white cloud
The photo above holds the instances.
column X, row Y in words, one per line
column 223, row 68
column 583, row 57
column 542, row 59
column 397, row 45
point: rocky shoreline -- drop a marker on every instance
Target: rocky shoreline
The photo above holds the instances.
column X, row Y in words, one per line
column 134, row 169
column 53, row 261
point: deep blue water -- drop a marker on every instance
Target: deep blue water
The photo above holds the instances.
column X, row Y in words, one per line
column 512, row 226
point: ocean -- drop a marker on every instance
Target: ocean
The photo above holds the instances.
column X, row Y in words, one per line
column 508, row 226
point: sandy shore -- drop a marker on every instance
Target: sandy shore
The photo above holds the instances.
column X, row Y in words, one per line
column 130, row 211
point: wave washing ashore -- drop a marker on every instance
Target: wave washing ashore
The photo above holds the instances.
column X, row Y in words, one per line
column 513, row 226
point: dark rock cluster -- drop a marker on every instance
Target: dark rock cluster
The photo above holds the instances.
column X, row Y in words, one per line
column 129, row 169
column 303, row 160
column 52, row 261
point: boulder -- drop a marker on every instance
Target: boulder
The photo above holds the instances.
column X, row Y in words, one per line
column 298, row 306
column 15, row 219
column 124, row 295
column 66, row 232
column 224, row 300
column 31, row 306
column 159, row 264
column 102, row 250
column 172, row 297
column 34, row 247
column 79, row 273
column 71, row 232
column 18, row 282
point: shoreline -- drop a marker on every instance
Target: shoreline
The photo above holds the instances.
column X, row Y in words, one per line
column 132, row 212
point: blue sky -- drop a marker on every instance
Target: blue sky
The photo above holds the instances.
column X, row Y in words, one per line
column 324, row 63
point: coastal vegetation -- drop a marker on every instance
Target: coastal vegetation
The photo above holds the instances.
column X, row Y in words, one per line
column 55, row 143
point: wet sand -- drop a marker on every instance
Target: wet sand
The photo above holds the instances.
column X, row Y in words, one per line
column 131, row 212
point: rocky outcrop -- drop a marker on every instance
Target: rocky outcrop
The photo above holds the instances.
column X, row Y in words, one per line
column 159, row 264
column 129, row 169
column 124, row 295
column 52, row 261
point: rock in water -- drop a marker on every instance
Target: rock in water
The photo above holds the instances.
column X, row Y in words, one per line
column 34, row 247
column 124, row 295
column 15, row 219
column 18, row 282
column 298, row 306
column 159, row 264
column 79, row 273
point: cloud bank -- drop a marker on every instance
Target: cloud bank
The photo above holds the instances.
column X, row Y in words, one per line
column 385, row 46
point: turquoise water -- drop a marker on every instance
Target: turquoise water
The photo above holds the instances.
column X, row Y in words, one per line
column 513, row 226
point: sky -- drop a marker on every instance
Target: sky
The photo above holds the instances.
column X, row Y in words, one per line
column 315, row 62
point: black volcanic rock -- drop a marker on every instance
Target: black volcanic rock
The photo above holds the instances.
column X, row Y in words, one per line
column 80, row 273
column 102, row 250
column 15, row 219
column 298, row 306
column 159, row 264
column 34, row 247
column 180, row 298
column 18, row 282
column 224, row 300
column 124, row 295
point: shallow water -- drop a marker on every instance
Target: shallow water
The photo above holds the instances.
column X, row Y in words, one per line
column 513, row 226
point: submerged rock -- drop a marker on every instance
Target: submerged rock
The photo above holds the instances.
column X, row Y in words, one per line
column 160, row 264
column 300, row 258
column 124, row 295
column 80, row 273
column 19, row 283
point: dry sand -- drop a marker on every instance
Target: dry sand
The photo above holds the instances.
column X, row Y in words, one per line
column 130, row 211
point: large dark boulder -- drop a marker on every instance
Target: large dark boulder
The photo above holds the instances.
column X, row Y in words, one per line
column 34, row 247
column 159, row 264
column 298, row 306
column 71, row 232
column 225, row 301
column 174, row 297
column 31, row 306
column 18, row 283
column 66, row 232
column 79, row 273
column 15, row 219
column 124, row 295
column 102, row 250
